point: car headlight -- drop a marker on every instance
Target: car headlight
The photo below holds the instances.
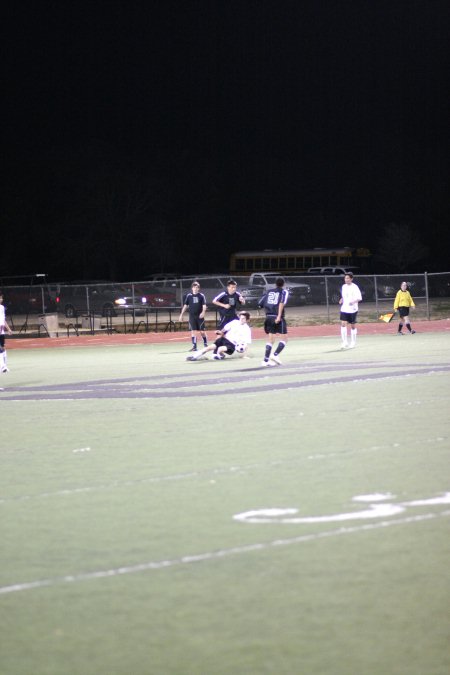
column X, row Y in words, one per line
column 120, row 301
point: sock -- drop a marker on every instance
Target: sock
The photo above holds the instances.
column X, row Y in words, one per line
column 408, row 326
column 344, row 334
column 194, row 340
column 353, row 333
column 281, row 346
column 2, row 359
column 205, row 340
column 267, row 352
column 400, row 326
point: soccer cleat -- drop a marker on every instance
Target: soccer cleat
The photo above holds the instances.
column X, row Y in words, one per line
column 277, row 359
column 344, row 345
column 412, row 332
column 219, row 357
column 5, row 369
column 399, row 332
column 352, row 345
column 191, row 358
column 193, row 349
column 266, row 364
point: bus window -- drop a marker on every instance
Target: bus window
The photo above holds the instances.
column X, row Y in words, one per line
column 316, row 261
column 333, row 260
column 250, row 263
column 258, row 265
column 307, row 262
column 282, row 264
column 240, row 264
column 291, row 263
column 266, row 263
column 274, row 264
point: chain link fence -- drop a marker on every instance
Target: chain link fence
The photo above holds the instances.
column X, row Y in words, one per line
column 140, row 305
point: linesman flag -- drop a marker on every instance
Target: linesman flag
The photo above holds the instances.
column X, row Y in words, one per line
column 387, row 317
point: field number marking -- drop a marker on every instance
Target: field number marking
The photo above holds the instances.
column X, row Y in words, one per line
column 376, row 510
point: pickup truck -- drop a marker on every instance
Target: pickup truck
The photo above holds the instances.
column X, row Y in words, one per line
column 260, row 282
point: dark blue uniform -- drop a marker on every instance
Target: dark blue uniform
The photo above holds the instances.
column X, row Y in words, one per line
column 227, row 315
column 270, row 302
column 195, row 303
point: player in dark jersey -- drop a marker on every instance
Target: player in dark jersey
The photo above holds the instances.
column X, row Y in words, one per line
column 229, row 302
column 274, row 302
column 195, row 303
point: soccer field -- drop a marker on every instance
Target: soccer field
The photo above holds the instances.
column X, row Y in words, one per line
column 162, row 517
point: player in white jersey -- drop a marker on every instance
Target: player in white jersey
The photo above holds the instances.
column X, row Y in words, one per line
column 350, row 297
column 3, row 327
column 235, row 336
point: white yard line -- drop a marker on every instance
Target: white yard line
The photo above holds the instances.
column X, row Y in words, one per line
column 213, row 555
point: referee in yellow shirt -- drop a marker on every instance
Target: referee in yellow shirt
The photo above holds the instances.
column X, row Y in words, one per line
column 403, row 301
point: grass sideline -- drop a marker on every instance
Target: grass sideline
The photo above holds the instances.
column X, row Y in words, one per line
column 123, row 469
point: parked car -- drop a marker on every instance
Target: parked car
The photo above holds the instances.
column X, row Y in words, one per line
column 331, row 271
column 78, row 298
column 331, row 288
column 335, row 279
column 252, row 295
column 139, row 297
column 28, row 300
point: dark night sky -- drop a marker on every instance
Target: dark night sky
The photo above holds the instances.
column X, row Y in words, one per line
column 232, row 124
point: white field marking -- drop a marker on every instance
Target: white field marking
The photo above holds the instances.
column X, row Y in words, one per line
column 279, row 515
column 81, row 450
column 214, row 555
column 376, row 497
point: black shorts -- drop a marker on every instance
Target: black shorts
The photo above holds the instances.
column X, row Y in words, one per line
column 349, row 317
column 223, row 342
column 196, row 323
column 403, row 311
column 272, row 328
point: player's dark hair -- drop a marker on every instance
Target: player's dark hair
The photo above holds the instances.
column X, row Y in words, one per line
column 231, row 281
column 349, row 274
column 279, row 282
column 246, row 314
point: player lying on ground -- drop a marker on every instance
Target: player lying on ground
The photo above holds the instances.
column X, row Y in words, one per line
column 235, row 336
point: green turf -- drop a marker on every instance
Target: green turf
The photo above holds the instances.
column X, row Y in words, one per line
column 146, row 488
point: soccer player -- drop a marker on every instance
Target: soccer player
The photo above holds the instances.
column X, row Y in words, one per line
column 195, row 303
column 274, row 302
column 403, row 301
column 228, row 302
column 350, row 297
column 234, row 336
column 3, row 327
